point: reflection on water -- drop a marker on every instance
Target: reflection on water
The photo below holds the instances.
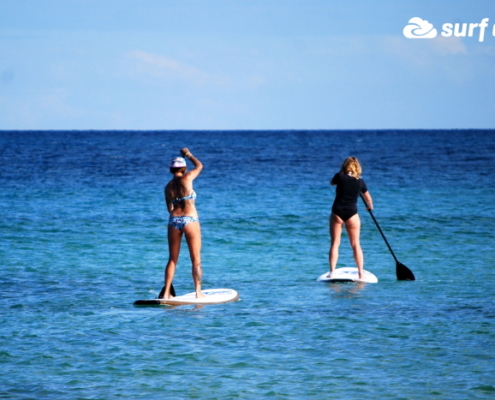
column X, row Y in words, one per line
column 347, row 289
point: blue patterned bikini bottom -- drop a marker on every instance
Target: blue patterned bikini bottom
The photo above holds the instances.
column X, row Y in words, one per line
column 180, row 222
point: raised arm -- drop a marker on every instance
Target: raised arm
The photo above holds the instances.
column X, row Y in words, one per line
column 192, row 174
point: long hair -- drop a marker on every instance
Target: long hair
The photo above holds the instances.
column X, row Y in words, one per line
column 351, row 167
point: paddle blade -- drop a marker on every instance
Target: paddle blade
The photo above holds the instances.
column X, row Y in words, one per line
column 403, row 273
column 172, row 291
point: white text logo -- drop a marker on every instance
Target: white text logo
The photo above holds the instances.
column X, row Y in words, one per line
column 419, row 28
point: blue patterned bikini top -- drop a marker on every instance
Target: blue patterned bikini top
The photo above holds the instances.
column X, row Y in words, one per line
column 191, row 196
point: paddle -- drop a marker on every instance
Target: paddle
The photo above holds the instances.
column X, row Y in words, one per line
column 172, row 291
column 403, row 273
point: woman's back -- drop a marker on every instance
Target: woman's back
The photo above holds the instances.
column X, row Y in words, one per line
column 180, row 196
column 348, row 188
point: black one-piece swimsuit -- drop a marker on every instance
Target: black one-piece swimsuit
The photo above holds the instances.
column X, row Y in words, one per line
column 347, row 193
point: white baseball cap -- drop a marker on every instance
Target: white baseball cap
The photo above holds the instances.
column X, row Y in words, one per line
column 178, row 162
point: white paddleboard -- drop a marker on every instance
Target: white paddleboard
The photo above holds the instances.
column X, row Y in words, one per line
column 213, row 296
column 347, row 274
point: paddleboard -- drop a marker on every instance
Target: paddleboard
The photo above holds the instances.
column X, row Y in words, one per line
column 347, row 274
column 213, row 296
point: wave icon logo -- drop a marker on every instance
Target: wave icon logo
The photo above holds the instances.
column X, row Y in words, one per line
column 419, row 29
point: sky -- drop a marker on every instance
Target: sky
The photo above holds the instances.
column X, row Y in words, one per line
column 246, row 64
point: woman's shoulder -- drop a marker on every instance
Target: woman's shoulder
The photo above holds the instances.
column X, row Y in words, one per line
column 336, row 179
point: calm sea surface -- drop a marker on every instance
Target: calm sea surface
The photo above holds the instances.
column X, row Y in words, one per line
column 83, row 235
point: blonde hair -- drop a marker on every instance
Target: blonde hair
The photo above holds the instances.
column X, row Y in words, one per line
column 351, row 167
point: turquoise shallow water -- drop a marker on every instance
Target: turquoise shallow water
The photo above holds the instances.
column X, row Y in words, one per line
column 83, row 236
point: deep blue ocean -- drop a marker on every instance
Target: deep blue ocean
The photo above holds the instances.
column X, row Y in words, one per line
column 83, row 235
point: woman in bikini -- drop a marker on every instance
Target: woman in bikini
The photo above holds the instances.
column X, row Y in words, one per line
column 180, row 196
column 344, row 211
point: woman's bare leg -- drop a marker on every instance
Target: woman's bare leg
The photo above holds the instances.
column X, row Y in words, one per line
column 335, row 234
column 174, row 239
column 193, row 237
column 353, row 227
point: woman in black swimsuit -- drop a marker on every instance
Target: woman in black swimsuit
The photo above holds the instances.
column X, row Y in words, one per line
column 344, row 211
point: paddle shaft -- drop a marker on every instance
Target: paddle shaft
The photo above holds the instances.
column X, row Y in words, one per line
column 379, row 229
column 403, row 273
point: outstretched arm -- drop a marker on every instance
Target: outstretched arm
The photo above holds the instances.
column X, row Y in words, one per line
column 368, row 200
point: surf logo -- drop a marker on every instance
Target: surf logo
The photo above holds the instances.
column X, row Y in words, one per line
column 419, row 29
